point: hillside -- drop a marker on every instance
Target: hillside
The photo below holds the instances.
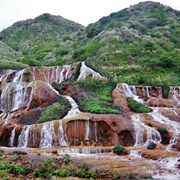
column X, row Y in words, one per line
column 136, row 45
column 40, row 40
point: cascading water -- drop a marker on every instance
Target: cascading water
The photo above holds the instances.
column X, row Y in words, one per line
column 86, row 71
column 11, row 140
column 56, row 74
column 16, row 95
column 74, row 111
column 135, row 153
column 23, row 137
column 129, row 93
column 140, row 129
column 47, row 135
column 157, row 116
column 62, row 136
column 19, row 76
column 87, row 130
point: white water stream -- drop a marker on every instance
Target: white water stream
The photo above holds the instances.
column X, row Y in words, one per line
column 23, row 137
column 86, row 71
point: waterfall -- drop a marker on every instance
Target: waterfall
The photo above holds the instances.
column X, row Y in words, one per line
column 174, row 93
column 87, row 130
column 95, row 131
column 47, row 135
column 56, row 74
column 173, row 141
column 86, row 71
column 64, row 73
column 169, row 168
column 127, row 91
column 62, row 136
column 75, row 150
column 11, row 140
column 135, row 153
column 18, row 76
column 20, row 96
column 16, row 95
column 74, row 111
column 23, row 137
column 157, row 116
column 133, row 89
column 140, row 128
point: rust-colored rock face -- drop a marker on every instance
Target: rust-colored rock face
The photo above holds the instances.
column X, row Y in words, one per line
column 26, row 93
column 43, row 95
column 119, row 98
column 106, row 130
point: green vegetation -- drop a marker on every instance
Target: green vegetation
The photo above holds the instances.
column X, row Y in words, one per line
column 27, row 75
column 70, row 169
column 98, row 98
column 162, row 130
column 164, row 135
column 137, row 107
column 116, row 175
column 46, row 169
column 119, row 150
column 66, row 158
column 151, row 145
column 56, row 110
column 18, row 153
column 137, row 45
column 165, row 91
column 11, row 168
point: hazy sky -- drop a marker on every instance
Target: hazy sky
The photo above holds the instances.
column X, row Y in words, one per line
column 80, row 11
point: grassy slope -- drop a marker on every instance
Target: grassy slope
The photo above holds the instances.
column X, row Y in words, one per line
column 137, row 45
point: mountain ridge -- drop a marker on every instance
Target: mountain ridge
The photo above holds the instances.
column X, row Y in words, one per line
column 142, row 38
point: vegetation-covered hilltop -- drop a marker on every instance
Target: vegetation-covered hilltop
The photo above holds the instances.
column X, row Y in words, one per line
column 136, row 45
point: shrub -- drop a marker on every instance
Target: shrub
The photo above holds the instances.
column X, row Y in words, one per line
column 137, row 107
column 27, row 75
column 4, row 174
column 66, row 158
column 62, row 51
column 119, row 150
column 12, row 168
column 151, row 145
column 19, row 153
column 30, row 61
column 164, row 135
column 165, row 91
column 46, row 169
column 75, row 170
column 85, row 172
column 55, row 111
column 98, row 98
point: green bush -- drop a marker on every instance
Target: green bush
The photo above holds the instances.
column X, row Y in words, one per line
column 46, row 169
column 55, row 111
column 119, row 150
column 98, row 98
column 30, row 61
column 165, row 91
column 85, row 172
column 137, row 107
column 75, row 170
column 62, row 51
column 27, row 75
column 12, row 168
column 4, row 174
column 66, row 158
column 151, row 145
column 164, row 135
column 18, row 153
column 89, row 104
column 162, row 130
